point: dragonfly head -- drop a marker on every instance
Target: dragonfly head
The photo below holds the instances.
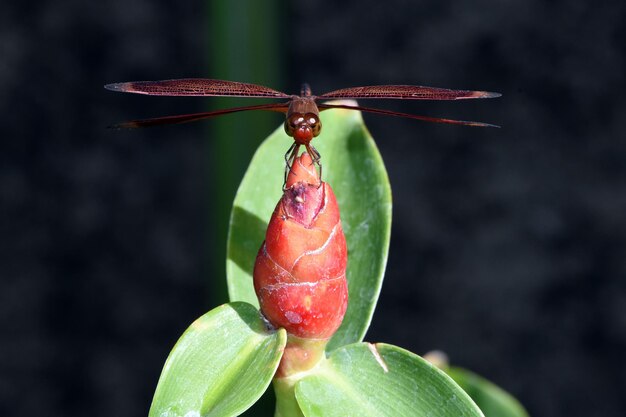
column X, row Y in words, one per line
column 303, row 122
column 303, row 127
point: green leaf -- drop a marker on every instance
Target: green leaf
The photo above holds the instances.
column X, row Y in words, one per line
column 381, row 380
column 492, row 400
column 354, row 168
column 220, row 366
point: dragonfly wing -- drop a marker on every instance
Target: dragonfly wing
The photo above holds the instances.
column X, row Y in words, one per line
column 407, row 115
column 186, row 118
column 196, row 87
column 410, row 92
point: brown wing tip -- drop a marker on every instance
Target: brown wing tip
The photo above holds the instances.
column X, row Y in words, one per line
column 115, row 86
column 481, row 124
column 122, row 87
column 483, row 94
column 124, row 125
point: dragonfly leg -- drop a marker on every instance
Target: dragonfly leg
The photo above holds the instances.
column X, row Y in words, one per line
column 290, row 157
column 316, row 157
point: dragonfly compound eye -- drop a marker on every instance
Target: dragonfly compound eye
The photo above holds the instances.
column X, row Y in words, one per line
column 315, row 124
column 289, row 128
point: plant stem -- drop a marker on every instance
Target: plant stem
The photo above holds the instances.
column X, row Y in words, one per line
column 300, row 356
column 286, row 403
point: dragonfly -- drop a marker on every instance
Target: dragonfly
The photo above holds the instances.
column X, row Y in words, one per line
column 302, row 121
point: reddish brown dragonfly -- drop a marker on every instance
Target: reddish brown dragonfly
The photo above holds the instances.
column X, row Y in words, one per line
column 302, row 121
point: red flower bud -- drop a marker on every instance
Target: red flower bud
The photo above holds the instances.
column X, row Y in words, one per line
column 300, row 271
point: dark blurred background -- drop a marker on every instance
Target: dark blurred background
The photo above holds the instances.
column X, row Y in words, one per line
column 508, row 246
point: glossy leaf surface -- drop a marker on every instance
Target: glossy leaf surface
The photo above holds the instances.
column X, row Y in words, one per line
column 220, row 366
column 353, row 166
column 381, row 380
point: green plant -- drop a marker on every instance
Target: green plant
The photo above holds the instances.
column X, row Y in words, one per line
column 227, row 358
